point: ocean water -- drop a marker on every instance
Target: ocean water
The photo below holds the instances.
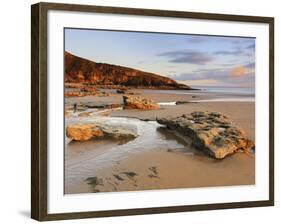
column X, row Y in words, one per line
column 208, row 89
column 226, row 90
column 211, row 94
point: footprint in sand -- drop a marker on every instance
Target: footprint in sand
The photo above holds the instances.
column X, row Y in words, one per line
column 94, row 182
column 130, row 174
column 118, row 177
column 155, row 172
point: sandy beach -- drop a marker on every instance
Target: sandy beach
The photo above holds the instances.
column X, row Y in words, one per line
column 157, row 159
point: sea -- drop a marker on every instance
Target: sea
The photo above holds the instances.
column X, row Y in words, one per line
column 227, row 90
column 214, row 93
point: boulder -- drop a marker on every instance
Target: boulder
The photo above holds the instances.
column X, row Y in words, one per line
column 84, row 132
column 137, row 102
column 210, row 132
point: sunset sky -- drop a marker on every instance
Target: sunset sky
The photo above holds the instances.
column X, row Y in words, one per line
column 190, row 59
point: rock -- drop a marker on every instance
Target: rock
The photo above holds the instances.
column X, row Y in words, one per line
column 94, row 105
column 102, row 94
column 73, row 94
column 112, row 106
column 84, row 132
column 137, row 102
column 125, row 91
column 181, row 102
column 79, row 94
column 102, row 106
column 73, row 85
column 131, row 93
column 211, row 132
column 84, row 114
column 120, row 91
column 90, row 89
column 118, row 133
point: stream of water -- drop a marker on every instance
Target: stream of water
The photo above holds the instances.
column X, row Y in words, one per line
column 84, row 159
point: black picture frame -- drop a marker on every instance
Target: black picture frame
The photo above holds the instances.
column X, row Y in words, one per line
column 39, row 121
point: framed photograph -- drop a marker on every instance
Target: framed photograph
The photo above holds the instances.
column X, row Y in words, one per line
column 139, row 111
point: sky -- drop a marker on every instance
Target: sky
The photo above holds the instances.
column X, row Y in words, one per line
column 196, row 60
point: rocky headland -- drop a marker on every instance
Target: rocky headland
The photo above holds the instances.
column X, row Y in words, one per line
column 81, row 70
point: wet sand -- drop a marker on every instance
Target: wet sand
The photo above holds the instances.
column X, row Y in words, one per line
column 177, row 169
column 174, row 166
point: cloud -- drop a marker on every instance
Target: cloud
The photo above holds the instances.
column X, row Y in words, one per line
column 251, row 47
column 239, row 71
column 236, row 42
column 250, row 65
column 240, row 76
column 200, row 74
column 237, row 52
column 242, row 41
column 226, row 64
column 202, row 82
column 188, row 56
column 197, row 39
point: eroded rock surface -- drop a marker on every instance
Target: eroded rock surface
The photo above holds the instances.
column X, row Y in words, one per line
column 210, row 132
column 84, row 132
column 137, row 102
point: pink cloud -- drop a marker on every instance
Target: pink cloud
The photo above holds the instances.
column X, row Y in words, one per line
column 239, row 71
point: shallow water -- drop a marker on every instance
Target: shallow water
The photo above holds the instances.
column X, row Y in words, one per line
column 84, row 159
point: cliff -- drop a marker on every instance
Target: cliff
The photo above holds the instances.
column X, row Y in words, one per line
column 80, row 70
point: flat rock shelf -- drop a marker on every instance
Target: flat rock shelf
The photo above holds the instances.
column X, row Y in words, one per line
column 210, row 132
